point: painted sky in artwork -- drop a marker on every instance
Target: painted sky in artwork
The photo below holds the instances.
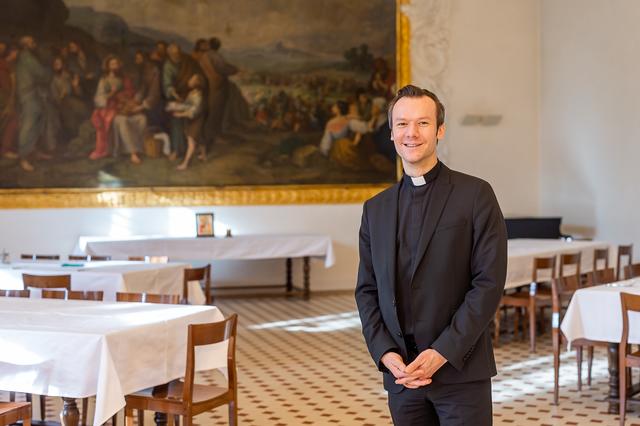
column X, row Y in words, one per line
column 326, row 26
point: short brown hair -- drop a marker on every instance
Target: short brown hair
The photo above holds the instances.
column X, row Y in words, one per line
column 411, row 91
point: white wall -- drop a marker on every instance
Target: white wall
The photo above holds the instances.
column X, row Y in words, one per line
column 590, row 125
column 488, row 64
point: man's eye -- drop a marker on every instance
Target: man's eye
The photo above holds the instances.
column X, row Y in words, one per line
column 401, row 124
column 423, row 123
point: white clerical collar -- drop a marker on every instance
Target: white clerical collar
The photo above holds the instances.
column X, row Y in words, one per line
column 418, row 181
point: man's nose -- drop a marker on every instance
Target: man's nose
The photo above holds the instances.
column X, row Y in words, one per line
column 412, row 129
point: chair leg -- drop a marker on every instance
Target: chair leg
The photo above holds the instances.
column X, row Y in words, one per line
column 170, row 420
column 622, row 377
column 187, row 420
column 589, row 364
column 43, row 408
column 532, row 327
column 233, row 413
column 556, row 364
column 85, row 407
column 516, row 322
column 114, row 420
column 140, row 417
column 128, row 417
column 579, row 361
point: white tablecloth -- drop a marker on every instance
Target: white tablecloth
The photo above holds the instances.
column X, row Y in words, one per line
column 242, row 247
column 595, row 313
column 78, row 349
column 109, row 276
column 521, row 252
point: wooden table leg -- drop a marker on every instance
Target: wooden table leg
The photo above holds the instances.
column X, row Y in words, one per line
column 305, row 270
column 70, row 416
column 289, row 276
column 614, row 391
column 160, row 419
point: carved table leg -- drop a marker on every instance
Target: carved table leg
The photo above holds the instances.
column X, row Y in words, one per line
column 70, row 416
column 289, row 279
column 614, row 391
column 306, row 269
column 160, row 419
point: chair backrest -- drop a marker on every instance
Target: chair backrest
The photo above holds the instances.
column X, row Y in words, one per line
column 632, row 271
column 630, row 303
column 569, row 261
column 40, row 256
column 169, row 299
column 208, row 334
column 14, row 293
column 89, row 258
column 623, row 251
column 46, row 281
column 543, row 268
column 73, row 295
column 601, row 276
column 194, row 274
column 561, row 289
column 601, row 255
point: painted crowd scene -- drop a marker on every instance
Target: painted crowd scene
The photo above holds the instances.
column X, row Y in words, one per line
column 195, row 93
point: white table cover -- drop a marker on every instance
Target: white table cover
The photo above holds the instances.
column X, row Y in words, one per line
column 522, row 251
column 595, row 313
column 77, row 349
column 108, row 276
column 241, row 247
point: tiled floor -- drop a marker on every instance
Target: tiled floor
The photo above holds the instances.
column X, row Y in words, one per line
column 305, row 363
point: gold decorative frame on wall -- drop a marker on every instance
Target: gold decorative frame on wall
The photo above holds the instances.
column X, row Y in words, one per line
column 215, row 195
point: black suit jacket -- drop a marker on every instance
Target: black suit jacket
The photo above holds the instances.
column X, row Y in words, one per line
column 457, row 281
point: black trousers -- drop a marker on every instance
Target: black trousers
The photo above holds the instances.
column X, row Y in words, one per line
column 443, row 404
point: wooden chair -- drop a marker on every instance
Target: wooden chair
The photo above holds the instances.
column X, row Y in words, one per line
column 170, row 299
column 40, row 257
column 184, row 397
column 623, row 251
column 632, row 271
column 46, row 281
column 562, row 289
column 11, row 412
column 73, row 295
column 627, row 359
column 88, row 258
column 600, row 255
column 197, row 274
column 15, row 293
column 531, row 300
column 569, row 261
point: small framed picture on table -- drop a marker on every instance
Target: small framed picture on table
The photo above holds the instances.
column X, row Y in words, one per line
column 204, row 224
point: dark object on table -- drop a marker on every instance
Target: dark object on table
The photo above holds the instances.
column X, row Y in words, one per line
column 534, row 227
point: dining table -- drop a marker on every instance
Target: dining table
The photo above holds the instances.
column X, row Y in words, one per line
column 77, row 349
column 595, row 313
column 522, row 251
column 286, row 246
column 109, row 277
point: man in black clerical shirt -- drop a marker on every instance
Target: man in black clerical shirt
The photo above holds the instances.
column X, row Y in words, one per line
column 433, row 256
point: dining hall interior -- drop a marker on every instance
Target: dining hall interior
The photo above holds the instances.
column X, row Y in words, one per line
column 258, row 325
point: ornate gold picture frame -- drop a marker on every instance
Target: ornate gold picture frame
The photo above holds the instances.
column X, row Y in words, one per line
column 179, row 195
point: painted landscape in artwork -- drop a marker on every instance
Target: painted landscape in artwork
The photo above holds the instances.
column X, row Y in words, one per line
column 132, row 93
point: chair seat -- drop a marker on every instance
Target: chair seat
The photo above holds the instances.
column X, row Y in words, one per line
column 168, row 398
column 11, row 412
column 633, row 359
column 522, row 298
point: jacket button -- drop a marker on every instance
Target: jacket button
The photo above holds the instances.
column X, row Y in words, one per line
column 399, row 334
column 394, row 302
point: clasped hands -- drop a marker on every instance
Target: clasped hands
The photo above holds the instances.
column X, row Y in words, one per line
column 416, row 374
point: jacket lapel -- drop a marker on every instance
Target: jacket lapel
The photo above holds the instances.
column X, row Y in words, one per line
column 439, row 196
column 389, row 227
